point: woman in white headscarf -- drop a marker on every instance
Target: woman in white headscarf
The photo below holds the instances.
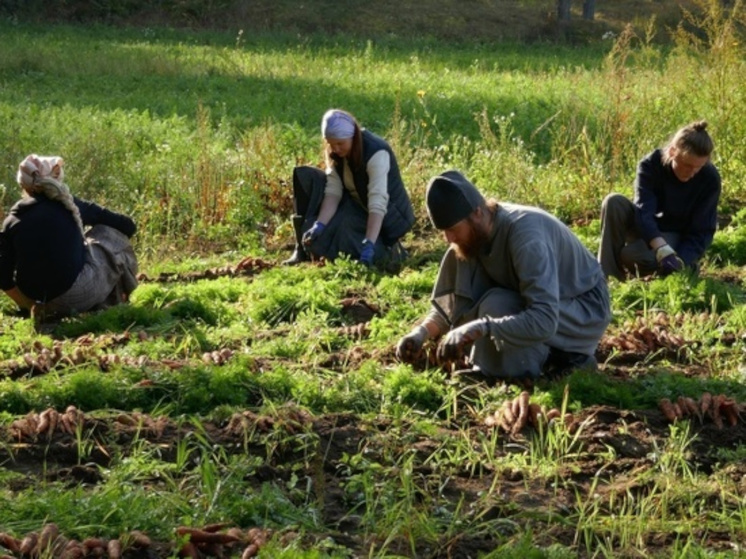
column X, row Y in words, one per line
column 358, row 206
column 60, row 255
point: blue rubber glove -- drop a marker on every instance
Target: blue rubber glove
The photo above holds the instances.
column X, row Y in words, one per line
column 367, row 253
column 310, row 235
column 454, row 344
column 668, row 261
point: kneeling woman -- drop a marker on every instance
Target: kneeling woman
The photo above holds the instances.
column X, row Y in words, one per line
column 49, row 261
column 359, row 206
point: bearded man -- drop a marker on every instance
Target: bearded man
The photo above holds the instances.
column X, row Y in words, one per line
column 516, row 289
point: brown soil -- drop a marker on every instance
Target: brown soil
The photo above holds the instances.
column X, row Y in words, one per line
column 634, row 436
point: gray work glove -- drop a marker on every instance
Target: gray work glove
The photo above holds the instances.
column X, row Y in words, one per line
column 668, row 261
column 453, row 345
column 410, row 346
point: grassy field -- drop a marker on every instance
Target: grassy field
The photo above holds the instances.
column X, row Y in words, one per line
column 264, row 405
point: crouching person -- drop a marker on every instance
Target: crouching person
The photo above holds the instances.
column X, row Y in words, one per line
column 60, row 255
column 358, row 206
column 517, row 293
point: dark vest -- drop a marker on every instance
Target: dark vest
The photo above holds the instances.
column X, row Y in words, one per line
column 399, row 216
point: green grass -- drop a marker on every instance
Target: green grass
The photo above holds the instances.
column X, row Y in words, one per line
column 196, row 134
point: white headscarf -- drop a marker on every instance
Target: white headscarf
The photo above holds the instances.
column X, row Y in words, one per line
column 337, row 125
column 36, row 168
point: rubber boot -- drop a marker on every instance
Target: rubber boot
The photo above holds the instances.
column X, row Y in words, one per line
column 299, row 254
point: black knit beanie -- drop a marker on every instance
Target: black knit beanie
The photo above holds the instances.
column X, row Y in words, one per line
column 450, row 198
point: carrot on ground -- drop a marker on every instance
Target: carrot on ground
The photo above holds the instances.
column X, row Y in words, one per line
column 9, row 542
column 691, row 405
column 705, row 403
column 215, row 526
column 140, row 539
column 717, row 402
column 554, row 413
column 197, row 535
column 507, row 411
column 523, row 409
column 668, row 409
column 29, row 543
column 728, row 409
column 114, row 549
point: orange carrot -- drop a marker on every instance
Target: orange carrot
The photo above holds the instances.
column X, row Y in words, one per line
column 29, row 543
column 200, row 536
column 717, row 402
column 515, row 407
column 503, row 423
column 114, row 549
column 215, row 527
column 139, row 539
column 523, row 409
column 236, row 533
column 693, row 408
column 682, row 406
column 668, row 409
column 705, row 403
column 47, row 536
column 728, row 409
column 253, row 534
column 9, row 542
column 43, row 425
column 534, row 414
column 73, row 550
column 554, row 413
column 89, row 544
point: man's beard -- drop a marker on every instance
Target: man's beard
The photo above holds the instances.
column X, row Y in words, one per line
column 471, row 248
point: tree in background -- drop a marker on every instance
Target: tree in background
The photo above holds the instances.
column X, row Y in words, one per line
column 563, row 9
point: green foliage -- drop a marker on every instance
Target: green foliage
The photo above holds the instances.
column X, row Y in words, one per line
column 183, row 131
column 729, row 244
column 675, row 294
column 199, row 172
column 414, row 390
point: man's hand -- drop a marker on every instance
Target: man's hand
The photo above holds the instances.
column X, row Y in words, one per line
column 454, row 343
column 409, row 347
column 668, row 261
column 313, row 233
column 367, row 253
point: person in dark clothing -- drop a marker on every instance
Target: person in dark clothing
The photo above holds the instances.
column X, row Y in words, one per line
column 673, row 218
column 358, row 206
column 517, row 294
column 50, row 260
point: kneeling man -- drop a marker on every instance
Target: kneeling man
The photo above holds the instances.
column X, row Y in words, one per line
column 516, row 289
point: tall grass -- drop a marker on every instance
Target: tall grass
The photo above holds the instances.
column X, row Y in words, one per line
column 196, row 134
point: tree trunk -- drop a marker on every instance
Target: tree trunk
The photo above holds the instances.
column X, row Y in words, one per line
column 589, row 9
column 563, row 10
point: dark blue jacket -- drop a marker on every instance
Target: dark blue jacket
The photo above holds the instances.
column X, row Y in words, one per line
column 399, row 216
column 664, row 203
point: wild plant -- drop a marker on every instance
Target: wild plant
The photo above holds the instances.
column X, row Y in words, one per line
column 84, row 442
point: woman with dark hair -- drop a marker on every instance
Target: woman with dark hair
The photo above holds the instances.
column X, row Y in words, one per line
column 673, row 218
column 50, row 261
column 358, row 206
